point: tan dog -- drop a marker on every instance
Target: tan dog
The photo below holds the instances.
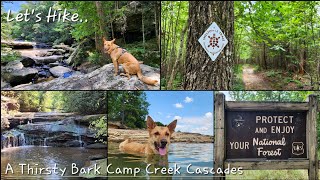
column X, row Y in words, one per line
column 158, row 141
column 129, row 63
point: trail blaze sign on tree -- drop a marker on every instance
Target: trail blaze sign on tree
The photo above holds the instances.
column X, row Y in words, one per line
column 213, row 41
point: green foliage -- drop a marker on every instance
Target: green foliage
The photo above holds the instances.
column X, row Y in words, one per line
column 42, row 31
column 159, row 124
column 174, row 18
column 95, row 58
column 273, row 73
column 147, row 52
column 85, row 102
column 128, row 107
column 279, row 96
column 237, row 79
column 275, row 34
column 271, row 174
column 96, row 19
column 8, row 55
column 34, row 101
column 100, row 125
column 81, row 102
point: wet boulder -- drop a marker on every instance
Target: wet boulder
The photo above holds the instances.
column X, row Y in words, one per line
column 54, row 64
column 97, row 146
column 59, row 71
column 19, row 76
column 102, row 78
column 19, row 44
column 27, row 61
column 12, row 66
column 47, row 59
column 57, row 51
column 64, row 47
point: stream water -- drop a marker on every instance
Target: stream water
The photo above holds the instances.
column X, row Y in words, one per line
column 195, row 155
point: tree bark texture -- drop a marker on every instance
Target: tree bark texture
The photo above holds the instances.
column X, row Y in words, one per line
column 201, row 72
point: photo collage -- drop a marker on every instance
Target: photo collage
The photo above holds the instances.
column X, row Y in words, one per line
column 160, row 90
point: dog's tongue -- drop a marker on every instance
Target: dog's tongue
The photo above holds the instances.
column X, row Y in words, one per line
column 162, row 151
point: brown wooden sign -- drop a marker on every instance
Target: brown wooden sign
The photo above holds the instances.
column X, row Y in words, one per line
column 266, row 135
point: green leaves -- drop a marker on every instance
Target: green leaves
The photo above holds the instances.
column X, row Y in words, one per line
column 128, row 107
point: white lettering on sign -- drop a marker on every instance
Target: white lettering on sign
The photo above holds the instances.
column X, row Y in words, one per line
column 268, row 142
column 213, row 41
column 239, row 145
column 274, row 119
column 262, row 152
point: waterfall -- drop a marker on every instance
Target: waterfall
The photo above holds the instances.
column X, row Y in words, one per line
column 45, row 142
column 79, row 134
column 12, row 138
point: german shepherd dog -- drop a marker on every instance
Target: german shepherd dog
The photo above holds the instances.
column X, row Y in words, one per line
column 158, row 141
column 129, row 63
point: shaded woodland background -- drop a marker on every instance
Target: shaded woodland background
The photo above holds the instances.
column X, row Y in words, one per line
column 275, row 45
column 174, row 27
column 134, row 24
column 280, row 41
column 128, row 109
column 185, row 64
column 80, row 102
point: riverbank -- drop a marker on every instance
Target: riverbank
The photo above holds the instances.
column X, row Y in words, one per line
column 119, row 135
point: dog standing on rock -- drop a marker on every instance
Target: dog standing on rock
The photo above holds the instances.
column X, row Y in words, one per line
column 129, row 63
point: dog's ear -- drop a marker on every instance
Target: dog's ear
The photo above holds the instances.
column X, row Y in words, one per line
column 150, row 123
column 104, row 39
column 172, row 126
column 113, row 40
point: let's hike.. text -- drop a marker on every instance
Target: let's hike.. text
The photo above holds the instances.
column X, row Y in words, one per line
column 52, row 16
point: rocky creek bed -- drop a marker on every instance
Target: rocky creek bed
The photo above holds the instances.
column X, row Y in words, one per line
column 37, row 65
column 50, row 129
column 50, row 69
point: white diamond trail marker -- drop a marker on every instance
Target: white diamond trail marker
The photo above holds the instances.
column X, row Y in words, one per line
column 213, row 41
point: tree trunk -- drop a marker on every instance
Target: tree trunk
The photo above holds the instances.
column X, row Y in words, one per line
column 201, row 71
column 264, row 56
column 303, row 57
column 112, row 32
column 102, row 24
column 156, row 23
column 173, row 44
column 174, row 69
column 143, row 36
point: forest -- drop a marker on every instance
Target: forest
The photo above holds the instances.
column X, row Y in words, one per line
column 174, row 22
column 54, row 127
column 277, row 45
column 77, row 45
column 185, row 64
column 129, row 108
column 80, row 102
column 272, row 45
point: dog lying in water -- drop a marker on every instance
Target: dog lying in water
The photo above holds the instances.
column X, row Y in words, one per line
column 158, row 141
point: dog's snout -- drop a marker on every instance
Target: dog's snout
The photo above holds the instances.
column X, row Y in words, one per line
column 163, row 142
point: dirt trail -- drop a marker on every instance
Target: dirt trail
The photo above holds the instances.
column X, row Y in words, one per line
column 254, row 81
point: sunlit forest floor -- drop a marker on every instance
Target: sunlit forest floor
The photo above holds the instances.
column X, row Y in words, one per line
column 251, row 77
